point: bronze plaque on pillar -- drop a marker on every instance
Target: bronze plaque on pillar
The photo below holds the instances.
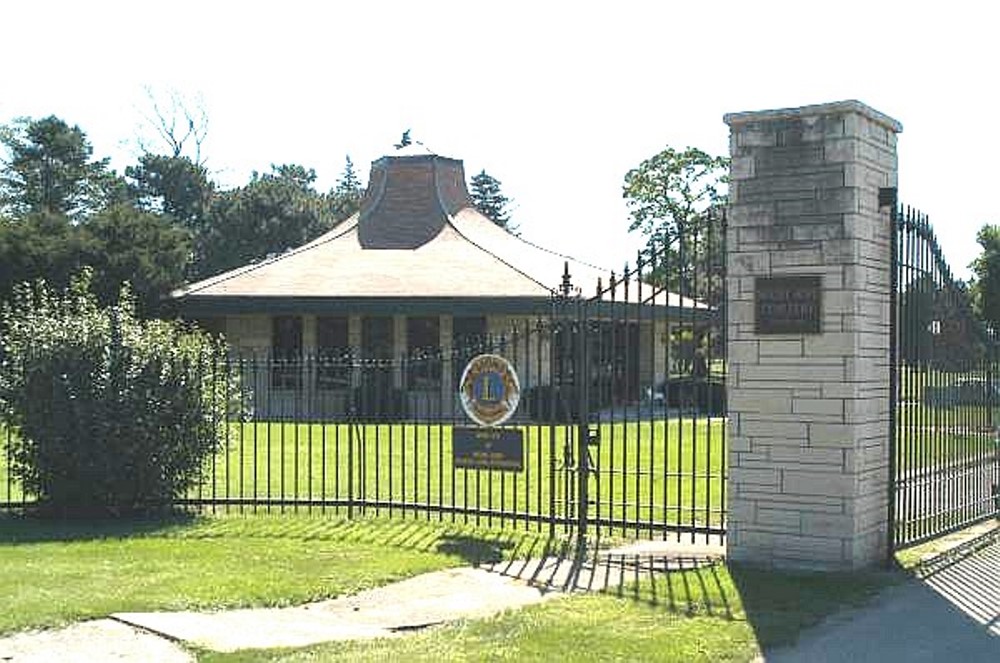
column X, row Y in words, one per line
column 788, row 305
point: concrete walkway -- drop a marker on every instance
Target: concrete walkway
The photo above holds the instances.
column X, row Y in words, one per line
column 950, row 613
column 388, row 611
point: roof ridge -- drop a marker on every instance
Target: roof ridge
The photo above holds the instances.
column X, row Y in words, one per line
column 350, row 223
column 518, row 238
column 560, row 255
column 448, row 220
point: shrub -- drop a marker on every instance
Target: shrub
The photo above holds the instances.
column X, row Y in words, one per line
column 112, row 413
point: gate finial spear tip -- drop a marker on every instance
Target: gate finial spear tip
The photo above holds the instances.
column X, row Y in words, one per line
column 567, row 282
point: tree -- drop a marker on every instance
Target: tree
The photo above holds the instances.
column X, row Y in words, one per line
column 489, row 199
column 273, row 213
column 49, row 170
column 345, row 198
column 986, row 267
column 113, row 414
column 173, row 185
column 40, row 245
column 121, row 243
column 146, row 250
column 674, row 198
column 180, row 125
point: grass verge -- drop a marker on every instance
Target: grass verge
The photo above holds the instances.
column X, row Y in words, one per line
column 55, row 573
column 708, row 614
column 62, row 572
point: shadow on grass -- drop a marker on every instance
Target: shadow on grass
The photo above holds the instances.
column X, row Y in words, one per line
column 475, row 550
column 776, row 605
column 466, row 543
column 25, row 528
column 779, row 605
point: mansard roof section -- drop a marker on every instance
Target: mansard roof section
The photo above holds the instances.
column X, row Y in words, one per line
column 409, row 200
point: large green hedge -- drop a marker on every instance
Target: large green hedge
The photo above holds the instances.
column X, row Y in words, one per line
column 112, row 413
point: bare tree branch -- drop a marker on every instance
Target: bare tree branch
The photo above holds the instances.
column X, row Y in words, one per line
column 180, row 124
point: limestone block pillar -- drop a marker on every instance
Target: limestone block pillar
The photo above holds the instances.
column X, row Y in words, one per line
column 808, row 335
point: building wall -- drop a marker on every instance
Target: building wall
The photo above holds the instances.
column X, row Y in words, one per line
column 520, row 338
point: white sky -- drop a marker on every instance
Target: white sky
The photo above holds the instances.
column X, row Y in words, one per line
column 556, row 99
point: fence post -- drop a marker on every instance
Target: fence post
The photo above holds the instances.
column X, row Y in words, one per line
column 582, row 378
column 808, row 255
column 887, row 198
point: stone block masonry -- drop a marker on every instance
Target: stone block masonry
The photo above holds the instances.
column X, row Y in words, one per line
column 809, row 412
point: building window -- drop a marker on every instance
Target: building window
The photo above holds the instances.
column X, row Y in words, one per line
column 286, row 352
column 423, row 346
column 375, row 395
column 333, row 353
column 376, row 337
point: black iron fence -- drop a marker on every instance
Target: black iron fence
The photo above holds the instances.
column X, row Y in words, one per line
column 620, row 426
column 600, row 446
column 946, row 394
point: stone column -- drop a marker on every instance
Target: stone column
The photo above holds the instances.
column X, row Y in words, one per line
column 808, row 333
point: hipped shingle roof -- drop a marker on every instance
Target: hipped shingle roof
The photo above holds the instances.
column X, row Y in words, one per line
column 417, row 235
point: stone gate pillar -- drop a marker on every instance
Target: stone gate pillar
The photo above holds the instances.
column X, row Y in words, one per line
column 808, row 326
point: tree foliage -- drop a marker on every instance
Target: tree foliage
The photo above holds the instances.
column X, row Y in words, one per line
column 40, row 245
column 49, row 170
column 166, row 222
column 172, row 185
column 276, row 211
column 674, row 199
column 489, row 199
column 112, row 414
column 345, row 198
column 986, row 268
column 148, row 251
column 120, row 242
column 671, row 191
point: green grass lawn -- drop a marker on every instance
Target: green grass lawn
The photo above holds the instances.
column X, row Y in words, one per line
column 660, row 471
column 652, row 471
column 55, row 573
column 709, row 614
column 936, row 436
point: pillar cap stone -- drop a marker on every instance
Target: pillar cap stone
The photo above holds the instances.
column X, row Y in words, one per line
column 831, row 108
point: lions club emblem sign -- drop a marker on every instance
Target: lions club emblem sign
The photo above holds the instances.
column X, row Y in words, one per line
column 489, row 390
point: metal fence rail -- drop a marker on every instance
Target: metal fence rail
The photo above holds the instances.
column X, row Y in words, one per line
column 627, row 463
column 621, row 416
column 946, row 391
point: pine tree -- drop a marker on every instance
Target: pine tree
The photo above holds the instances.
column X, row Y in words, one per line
column 346, row 195
column 489, row 199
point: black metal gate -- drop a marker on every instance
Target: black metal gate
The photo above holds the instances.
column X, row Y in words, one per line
column 621, row 415
column 650, row 458
column 945, row 459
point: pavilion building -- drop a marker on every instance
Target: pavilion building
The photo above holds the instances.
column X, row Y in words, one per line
column 394, row 299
